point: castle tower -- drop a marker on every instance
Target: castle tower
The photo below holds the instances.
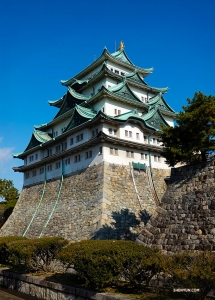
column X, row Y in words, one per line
column 107, row 125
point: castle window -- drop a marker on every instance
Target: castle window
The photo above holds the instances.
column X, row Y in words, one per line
column 110, row 130
column 157, row 158
column 56, row 133
column 36, row 156
column 26, row 175
column 41, row 170
column 88, row 154
column 145, row 139
column 154, row 140
column 116, row 71
column 34, row 173
column 100, row 150
column 122, row 73
column 114, row 131
column 103, row 109
column 129, row 153
column 58, row 148
column 115, row 111
column 144, row 156
column 71, row 141
column 67, row 161
column 79, row 137
column 137, row 135
column 130, row 134
column 49, row 168
column 77, row 158
column 126, row 132
column 31, row 158
column 109, row 86
column 113, row 151
column 119, row 112
column 57, row 165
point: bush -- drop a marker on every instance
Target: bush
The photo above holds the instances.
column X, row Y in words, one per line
column 36, row 254
column 105, row 263
column 193, row 270
column 4, row 242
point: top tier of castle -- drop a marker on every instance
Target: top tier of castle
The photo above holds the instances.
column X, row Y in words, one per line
column 109, row 113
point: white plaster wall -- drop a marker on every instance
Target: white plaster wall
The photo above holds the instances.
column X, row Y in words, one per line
column 109, row 106
column 61, row 125
column 121, row 158
column 115, row 66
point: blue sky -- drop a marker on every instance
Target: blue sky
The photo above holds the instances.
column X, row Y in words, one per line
column 44, row 41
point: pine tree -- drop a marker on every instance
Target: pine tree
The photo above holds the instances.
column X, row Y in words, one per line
column 193, row 138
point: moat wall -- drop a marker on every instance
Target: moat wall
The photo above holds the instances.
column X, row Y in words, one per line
column 99, row 202
column 185, row 219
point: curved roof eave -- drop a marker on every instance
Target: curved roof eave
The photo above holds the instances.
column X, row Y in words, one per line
column 105, row 92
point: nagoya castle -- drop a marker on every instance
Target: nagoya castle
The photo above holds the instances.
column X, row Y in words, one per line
column 96, row 169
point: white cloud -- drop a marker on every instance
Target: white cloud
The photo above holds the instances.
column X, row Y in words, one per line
column 5, row 157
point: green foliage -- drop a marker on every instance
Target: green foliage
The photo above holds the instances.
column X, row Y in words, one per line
column 7, row 190
column 35, row 254
column 193, row 270
column 193, row 137
column 104, row 263
column 4, row 242
column 9, row 195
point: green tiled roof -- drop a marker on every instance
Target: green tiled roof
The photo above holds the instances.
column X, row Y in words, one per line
column 56, row 103
column 38, row 137
column 154, row 119
column 85, row 112
column 77, row 95
column 121, row 55
column 159, row 103
column 125, row 116
column 73, row 81
column 122, row 90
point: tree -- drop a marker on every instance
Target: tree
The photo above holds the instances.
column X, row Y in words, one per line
column 193, row 138
column 8, row 195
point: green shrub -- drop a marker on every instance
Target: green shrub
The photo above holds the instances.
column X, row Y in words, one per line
column 105, row 263
column 193, row 270
column 36, row 254
column 4, row 242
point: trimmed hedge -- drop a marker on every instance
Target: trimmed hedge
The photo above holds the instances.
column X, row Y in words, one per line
column 35, row 254
column 106, row 263
column 4, row 242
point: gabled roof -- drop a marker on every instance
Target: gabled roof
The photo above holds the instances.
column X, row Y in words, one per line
column 123, row 90
column 135, row 77
column 158, row 102
column 70, row 100
column 154, row 118
column 121, row 55
column 38, row 137
column 80, row 115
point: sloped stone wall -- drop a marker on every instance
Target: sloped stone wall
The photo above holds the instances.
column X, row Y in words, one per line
column 99, row 202
column 185, row 219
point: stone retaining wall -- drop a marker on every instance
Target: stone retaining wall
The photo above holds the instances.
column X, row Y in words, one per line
column 46, row 290
column 185, row 219
column 99, row 202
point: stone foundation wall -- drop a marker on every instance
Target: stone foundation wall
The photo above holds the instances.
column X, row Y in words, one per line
column 99, row 202
column 185, row 219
